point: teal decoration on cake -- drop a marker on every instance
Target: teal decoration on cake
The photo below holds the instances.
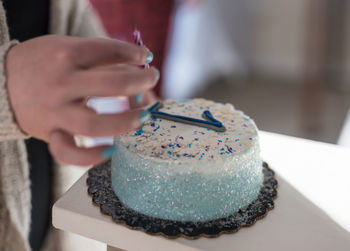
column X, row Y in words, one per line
column 210, row 122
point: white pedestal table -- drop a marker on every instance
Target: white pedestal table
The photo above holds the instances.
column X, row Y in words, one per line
column 312, row 210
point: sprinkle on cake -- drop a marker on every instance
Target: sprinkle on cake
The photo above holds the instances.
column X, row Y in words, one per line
column 164, row 139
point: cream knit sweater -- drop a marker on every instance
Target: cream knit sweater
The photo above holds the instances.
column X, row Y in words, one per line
column 67, row 17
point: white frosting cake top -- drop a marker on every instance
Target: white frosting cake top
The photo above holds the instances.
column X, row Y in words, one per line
column 168, row 140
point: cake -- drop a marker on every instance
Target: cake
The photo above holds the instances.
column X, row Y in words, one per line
column 195, row 160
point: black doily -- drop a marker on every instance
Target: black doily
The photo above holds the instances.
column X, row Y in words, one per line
column 99, row 182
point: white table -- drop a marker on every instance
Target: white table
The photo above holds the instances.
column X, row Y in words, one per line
column 344, row 138
column 312, row 210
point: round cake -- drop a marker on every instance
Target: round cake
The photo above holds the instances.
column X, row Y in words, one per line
column 195, row 160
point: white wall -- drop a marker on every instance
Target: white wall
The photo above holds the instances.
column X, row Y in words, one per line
column 205, row 44
column 277, row 38
column 264, row 36
column 346, row 79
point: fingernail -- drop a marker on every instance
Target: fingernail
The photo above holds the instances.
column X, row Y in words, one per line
column 149, row 58
column 144, row 116
column 158, row 74
column 108, row 152
column 138, row 98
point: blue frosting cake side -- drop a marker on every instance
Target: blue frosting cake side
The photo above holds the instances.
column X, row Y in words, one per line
column 183, row 172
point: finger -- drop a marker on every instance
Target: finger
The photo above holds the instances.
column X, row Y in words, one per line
column 142, row 99
column 112, row 67
column 100, row 51
column 137, row 101
column 151, row 97
column 103, row 83
column 81, row 120
column 63, row 148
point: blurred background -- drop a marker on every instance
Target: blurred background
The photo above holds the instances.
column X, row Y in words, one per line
column 284, row 63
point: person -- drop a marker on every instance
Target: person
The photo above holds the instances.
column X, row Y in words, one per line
column 45, row 81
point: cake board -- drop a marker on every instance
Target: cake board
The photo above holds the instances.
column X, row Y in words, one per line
column 100, row 188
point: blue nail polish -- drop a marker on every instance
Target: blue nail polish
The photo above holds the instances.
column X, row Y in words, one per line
column 158, row 74
column 138, row 98
column 144, row 116
column 108, row 152
column 149, row 58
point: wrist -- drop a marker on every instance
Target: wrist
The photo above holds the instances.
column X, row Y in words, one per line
column 9, row 128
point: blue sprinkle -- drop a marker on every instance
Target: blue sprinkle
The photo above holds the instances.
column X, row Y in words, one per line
column 219, row 140
column 201, row 108
column 135, row 145
column 173, row 126
column 181, row 137
column 222, row 149
column 190, row 145
column 153, row 124
column 139, row 132
column 246, row 119
column 169, row 152
column 152, row 133
column 156, row 128
column 236, row 140
column 227, row 138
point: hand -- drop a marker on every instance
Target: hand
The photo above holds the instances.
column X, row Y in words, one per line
column 49, row 79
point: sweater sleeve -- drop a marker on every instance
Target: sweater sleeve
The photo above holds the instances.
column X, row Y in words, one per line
column 86, row 22
column 75, row 18
column 89, row 24
column 9, row 130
